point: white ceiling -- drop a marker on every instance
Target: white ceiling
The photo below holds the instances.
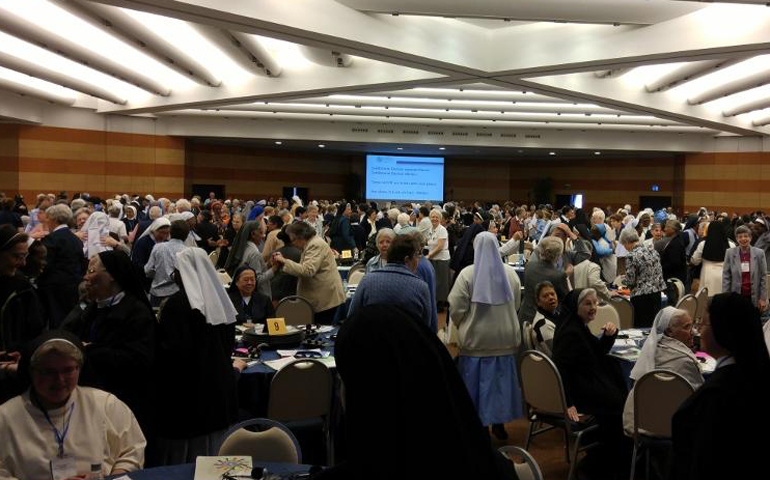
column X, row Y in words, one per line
column 585, row 67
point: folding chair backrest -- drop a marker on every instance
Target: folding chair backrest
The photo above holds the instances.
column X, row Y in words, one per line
column 300, row 390
column 625, row 311
column 604, row 314
column 679, row 287
column 354, row 278
column 295, row 310
column 274, row 443
column 224, row 277
column 214, row 257
column 526, row 470
column 703, row 298
column 657, row 396
column 541, row 383
column 689, row 304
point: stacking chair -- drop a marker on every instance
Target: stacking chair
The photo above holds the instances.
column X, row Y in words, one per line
column 354, row 278
column 273, row 442
column 528, row 469
column 224, row 277
column 214, row 256
column 301, row 391
column 358, row 267
column 604, row 313
column 657, row 396
column 689, row 304
column 679, row 287
column 543, row 394
column 703, row 299
column 625, row 311
column 295, row 310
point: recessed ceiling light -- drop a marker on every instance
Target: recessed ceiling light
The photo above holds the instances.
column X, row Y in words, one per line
column 321, row 145
column 551, row 153
column 597, row 153
column 279, row 143
column 442, row 148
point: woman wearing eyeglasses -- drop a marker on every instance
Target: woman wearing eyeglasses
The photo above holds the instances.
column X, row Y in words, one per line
column 720, row 431
column 60, row 430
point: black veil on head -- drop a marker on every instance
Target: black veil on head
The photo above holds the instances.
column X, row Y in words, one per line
column 395, row 370
column 716, row 243
column 233, row 287
column 119, row 266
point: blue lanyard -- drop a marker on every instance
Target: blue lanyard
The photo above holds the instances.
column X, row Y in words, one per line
column 60, row 436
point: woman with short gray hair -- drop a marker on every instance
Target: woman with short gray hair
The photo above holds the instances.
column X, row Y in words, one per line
column 540, row 269
column 745, row 270
column 644, row 276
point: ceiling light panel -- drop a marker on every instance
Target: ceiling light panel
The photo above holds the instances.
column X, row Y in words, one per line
column 64, row 23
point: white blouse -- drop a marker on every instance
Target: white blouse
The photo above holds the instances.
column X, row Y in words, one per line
column 102, row 431
column 434, row 235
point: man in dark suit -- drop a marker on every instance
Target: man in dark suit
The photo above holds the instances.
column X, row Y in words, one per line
column 673, row 257
column 65, row 266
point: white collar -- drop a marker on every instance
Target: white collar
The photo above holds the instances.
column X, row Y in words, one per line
column 60, row 227
column 110, row 301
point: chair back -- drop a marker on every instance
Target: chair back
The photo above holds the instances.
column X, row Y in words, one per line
column 354, row 278
column 679, row 287
column 541, row 384
column 625, row 311
column 514, row 258
column 224, row 277
column 621, row 268
column 526, row 335
column 214, row 256
column 657, row 396
column 689, row 304
column 768, row 284
column 672, row 292
column 295, row 310
column 273, row 443
column 300, row 390
column 703, row 299
column 526, row 470
column 358, row 267
column 604, row 314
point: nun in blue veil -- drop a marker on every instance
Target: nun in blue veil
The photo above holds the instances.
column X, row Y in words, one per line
column 483, row 304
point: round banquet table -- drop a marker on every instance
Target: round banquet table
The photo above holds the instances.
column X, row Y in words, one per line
column 187, row 471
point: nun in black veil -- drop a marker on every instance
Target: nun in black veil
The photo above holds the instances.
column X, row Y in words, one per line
column 397, row 374
column 118, row 330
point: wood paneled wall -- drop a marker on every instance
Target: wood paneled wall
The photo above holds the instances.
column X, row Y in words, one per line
column 9, row 159
column 248, row 172
column 732, row 181
column 100, row 163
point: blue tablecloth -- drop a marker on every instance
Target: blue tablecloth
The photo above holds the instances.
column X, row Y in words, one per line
column 187, row 471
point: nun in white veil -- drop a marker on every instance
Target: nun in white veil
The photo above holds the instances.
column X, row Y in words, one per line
column 483, row 304
column 669, row 347
column 96, row 229
column 197, row 401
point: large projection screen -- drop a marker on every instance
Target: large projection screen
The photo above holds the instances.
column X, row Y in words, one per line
column 391, row 177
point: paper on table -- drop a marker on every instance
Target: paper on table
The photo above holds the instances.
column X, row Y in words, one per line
column 624, row 342
column 280, row 363
column 325, row 328
column 212, row 468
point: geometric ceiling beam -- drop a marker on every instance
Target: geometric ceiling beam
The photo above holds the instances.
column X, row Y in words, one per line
column 295, row 82
column 433, row 44
column 325, row 57
column 756, row 79
column 30, row 91
column 20, row 110
column 456, row 115
column 12, row 62
column 397, row 120
column 635, row 12
column 762, row 121
column 460, row 93
column 119, row 23
column 716, row 31
column 690, row 71
column 242, row 48
column 615, row 94
column 21, row 28
column 379, row 101
column 750, row 106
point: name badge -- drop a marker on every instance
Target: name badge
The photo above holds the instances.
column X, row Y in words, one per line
column 276, row 326
column 63, row 468
column 744, row 267
column 346, row 254
column 503, row 239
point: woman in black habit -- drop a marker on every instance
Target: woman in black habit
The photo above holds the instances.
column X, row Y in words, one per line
column 196, row 398
column 250, row 305
column 721, row 430
column 593, row 381
column 396, row 373
column 118, row 331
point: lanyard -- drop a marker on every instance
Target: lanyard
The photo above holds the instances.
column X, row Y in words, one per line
column 60, row 436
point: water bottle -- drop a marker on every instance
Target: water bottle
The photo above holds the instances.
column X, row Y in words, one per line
column 96, row 472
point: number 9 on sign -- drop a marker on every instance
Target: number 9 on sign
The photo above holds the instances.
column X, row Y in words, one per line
column 276, row 326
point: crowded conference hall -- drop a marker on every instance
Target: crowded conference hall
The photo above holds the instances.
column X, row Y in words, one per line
column 356, row 239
